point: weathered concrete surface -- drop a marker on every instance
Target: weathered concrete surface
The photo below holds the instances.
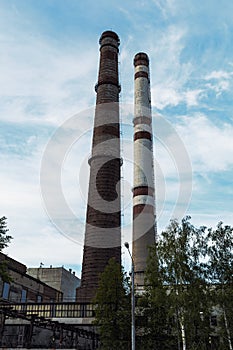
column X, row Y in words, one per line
column 58, row 278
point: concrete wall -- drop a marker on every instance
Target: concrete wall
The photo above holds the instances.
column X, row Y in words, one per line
column 58, row 278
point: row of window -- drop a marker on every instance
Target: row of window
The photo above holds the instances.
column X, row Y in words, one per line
column 61, row 310
column 23, row 298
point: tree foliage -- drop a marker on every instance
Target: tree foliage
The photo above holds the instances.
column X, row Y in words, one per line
column 189, row 275
column 113, row 308
column 4, row 238
column 154, row 309
column 220, row 253
column 4, row 241
column 181, row 251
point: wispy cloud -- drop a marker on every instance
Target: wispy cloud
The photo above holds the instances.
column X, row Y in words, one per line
column 49, row 62
column 219, row 81
column 169, row 75
column 210, row 146
column 219, row 75
column 67, row 252
column 167, row 7
column 42, row 81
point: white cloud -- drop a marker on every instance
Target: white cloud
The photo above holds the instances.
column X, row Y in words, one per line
column 219, row 87
column 169, row 75
column 210, row 146
column 167, row 7
column 165, row 96
column 43, row 82
column 50, row 70
column 219, row 81
column 28, row 222
column 219, row 75
column 39, row 246
column 192, row 97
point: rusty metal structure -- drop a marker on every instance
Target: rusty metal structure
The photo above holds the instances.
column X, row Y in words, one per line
column 47, row 325
column 144, row 227
column 103, row 217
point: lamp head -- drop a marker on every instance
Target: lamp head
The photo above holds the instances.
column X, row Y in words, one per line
column 126, row 245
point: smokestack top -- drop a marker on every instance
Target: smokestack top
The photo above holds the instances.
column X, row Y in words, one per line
column 109, row 34
column 141, row 58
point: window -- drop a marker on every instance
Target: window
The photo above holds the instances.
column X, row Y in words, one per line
column 213, row 321
column 6, row 290
column 39, row 299
column 23, row 296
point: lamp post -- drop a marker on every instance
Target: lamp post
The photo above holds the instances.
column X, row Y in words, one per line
column 132, row 300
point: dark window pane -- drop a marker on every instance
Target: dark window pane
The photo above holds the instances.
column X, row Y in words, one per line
column 23, row 296
column 6, row 290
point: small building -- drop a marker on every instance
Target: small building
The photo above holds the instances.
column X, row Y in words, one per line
column 59, row 278
column 33, row 312
column 24, row 287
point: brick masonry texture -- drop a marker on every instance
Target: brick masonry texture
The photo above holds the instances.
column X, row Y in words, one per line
column 103, row 217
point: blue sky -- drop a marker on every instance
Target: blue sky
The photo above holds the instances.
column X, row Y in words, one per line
column 49, row 65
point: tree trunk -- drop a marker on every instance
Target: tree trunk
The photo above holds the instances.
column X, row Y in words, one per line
column 183, row 337
column 181, row 321
column 227, row 329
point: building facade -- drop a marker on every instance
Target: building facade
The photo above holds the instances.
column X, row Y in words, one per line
column 24, row 288
column 59, row 278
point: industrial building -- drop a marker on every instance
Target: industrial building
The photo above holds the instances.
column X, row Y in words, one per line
column 59, row 278
column 24, row 287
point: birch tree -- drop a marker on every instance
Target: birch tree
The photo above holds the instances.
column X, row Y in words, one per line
column 220, row 252
column 181, row 286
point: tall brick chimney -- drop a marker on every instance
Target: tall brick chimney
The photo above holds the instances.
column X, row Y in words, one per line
column 103, row 217
column 144, row 228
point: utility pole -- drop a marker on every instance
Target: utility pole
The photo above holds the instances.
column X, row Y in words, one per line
column 132, row 300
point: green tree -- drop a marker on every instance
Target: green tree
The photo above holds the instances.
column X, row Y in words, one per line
column 113, row 308
column 220, row 252
column 153, row 309
column 4, row 238
column 182, row 250
column 177, row 289
column 4, row 241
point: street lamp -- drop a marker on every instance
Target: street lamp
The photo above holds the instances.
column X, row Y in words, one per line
column 132, row 300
